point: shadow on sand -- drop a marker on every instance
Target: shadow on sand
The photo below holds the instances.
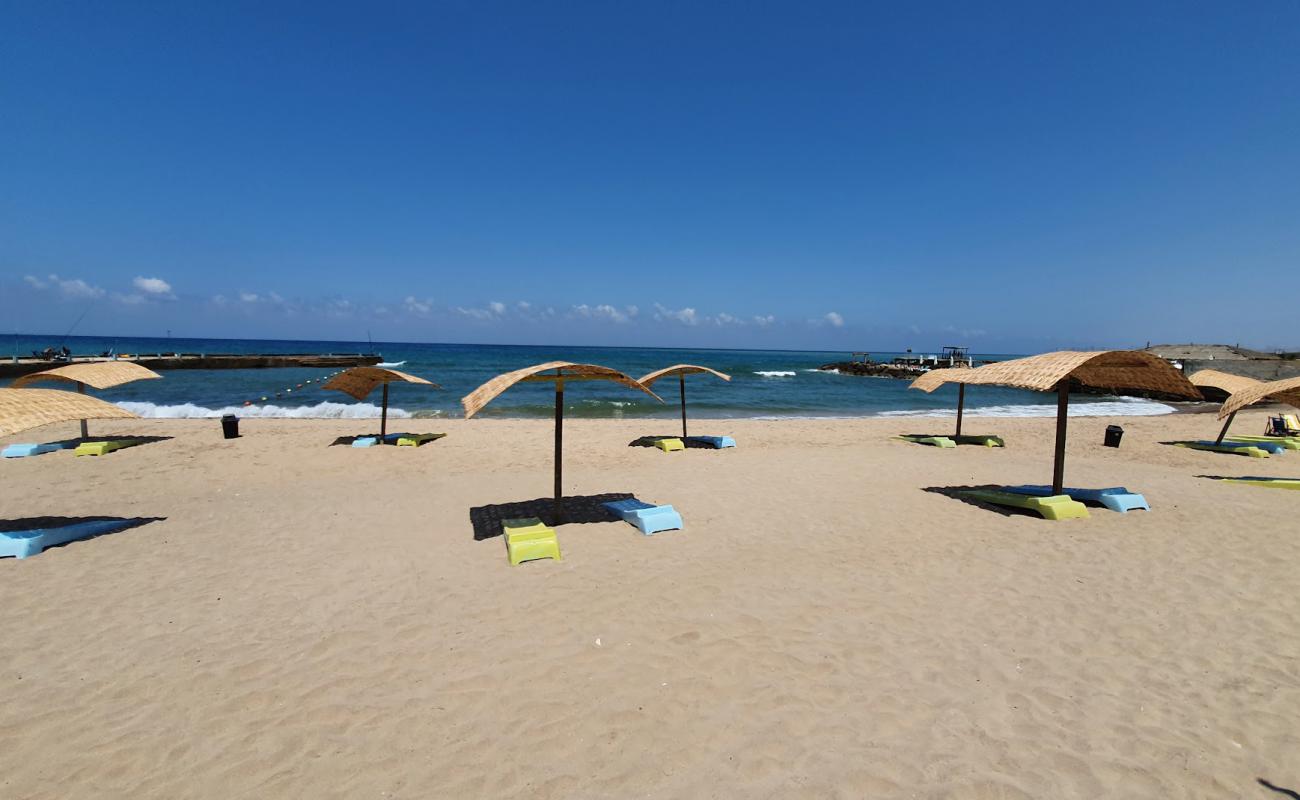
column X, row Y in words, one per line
column 50, row 523
column 955, row 492
column 486, row 520
column 1246, row 478
column 134, row 440
column 1273, row 788
column 649, row 441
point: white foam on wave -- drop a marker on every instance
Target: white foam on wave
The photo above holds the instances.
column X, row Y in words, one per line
column 831, row 371
column 324, row 410
column 391, row 364
column 776, row 373
column 1119, row 407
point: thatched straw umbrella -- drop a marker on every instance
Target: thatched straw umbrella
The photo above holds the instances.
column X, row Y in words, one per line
column 681, row 371
column 1111, row 370
column 556, row 372
column 938, row 377
column 1223, row 382
column 99, row 374
column 359, row 382
column 1286, row 391
column 21, row 409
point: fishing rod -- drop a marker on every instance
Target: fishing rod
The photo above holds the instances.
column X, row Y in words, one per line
column 75, row 324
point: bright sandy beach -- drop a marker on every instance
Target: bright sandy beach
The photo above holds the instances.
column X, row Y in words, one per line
column 315, row 621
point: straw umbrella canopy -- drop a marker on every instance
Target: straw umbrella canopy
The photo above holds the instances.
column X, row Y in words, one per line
column 557, row 372
column 359, row 382
column 1224, row 382
column 22, row 409
column 1286, row 391
column 98, row 374
column 935, row 378
column 681, row 371
column 1110, row 370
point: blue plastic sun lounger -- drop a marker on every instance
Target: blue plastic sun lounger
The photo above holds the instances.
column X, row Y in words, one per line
column 714, row 441
column 1116, row 498
column 22, row 544
column 371, row 441
column 647, row 518
column 22, row 450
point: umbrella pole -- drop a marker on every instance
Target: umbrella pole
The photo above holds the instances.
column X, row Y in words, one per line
column 383, row 417
column 1062, row 414
column 81, row 388
column 681, row 379
column 961, row 403
column 559, row 446
column 1224, row 432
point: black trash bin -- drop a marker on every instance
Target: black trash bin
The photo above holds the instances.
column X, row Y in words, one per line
column 1113, row 434
column 230, row 426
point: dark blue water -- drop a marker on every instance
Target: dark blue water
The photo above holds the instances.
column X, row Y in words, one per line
column 764, row 383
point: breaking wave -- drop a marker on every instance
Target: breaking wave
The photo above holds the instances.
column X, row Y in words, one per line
column 319, row 411
column 1120, row 407
column 776, row 373
column 391, row 364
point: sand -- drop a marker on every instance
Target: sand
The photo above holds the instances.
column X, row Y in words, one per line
column 314, row 621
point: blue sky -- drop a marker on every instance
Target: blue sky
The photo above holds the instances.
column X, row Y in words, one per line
column 1010, row 176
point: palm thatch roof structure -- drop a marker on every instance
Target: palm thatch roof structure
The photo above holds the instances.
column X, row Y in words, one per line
column 22, row 409
column 359, row 382
column 1223, row 381
column 935, row 378
column 681, row 371
column 1108, row 370
column 557, row 372
column 97, row 374
column 1243, row 391
column 1286, row 391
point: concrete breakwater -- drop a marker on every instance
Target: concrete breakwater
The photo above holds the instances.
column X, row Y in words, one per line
column 873, row 369
column 12, row 368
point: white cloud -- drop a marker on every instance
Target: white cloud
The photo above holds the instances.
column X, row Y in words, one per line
column 604, row 312
column 219, row 299
column 834, row 320
column 475, row 313
column 494, row 310
column 154, row 287
column 685, row 316
column 249, row 297
column 415, row 306
column 524, row 305
column 73, row 289
column 764, row 321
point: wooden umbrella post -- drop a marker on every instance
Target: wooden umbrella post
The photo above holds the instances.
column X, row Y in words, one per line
column 1222, row 433
column 559, row 448
column 81, row 388
column 961, row 402
column 383, row 416
column 1062, row 414
column 681, row 380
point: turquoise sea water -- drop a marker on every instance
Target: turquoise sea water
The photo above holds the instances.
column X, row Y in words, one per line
column 764, row 384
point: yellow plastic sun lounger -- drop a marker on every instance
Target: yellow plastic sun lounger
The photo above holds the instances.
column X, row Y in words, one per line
column 101, row 448
column 528, row 539
column 1056, row 507
column 417, row 439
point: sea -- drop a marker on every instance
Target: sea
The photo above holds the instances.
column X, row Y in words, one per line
column 765, row 384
